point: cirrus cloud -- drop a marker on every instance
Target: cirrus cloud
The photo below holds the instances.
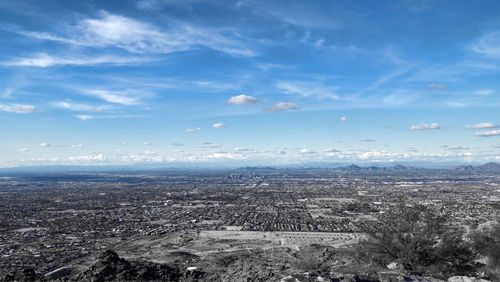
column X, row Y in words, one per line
column 84, row 117
column 488, row 45
column 190, row 130
column 282, row 106
column 110, row 30
column 17, row 108
column 437, row 86
column 43, row 60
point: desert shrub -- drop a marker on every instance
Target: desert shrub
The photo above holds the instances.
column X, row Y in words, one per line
column 487, row 243
column 315, row 259
column 418, row 240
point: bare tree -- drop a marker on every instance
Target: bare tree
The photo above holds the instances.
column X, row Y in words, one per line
column 419, row 240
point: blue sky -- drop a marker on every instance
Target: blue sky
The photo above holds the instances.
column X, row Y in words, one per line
column 249, row 82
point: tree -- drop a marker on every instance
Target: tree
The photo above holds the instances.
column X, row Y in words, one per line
column 487, row 243
column 418, row 239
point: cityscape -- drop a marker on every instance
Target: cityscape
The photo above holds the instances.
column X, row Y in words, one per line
column 250, row 140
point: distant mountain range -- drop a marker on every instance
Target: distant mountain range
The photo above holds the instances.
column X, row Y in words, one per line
column 488, row 167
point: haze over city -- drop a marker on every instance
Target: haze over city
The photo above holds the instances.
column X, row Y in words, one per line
column 249, row 82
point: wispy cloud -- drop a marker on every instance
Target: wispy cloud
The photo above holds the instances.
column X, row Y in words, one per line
column 482, row 125
column 425, row 126
column 209, row 145
column 490, row 133
column 306, row 89
column 269, row 66
column 44, row 60
column 17, row 108
column 92, row 157
column 243, row 100
column 76, row 106
column 485, row 92
column 386, row 78
column 488, row 44
column 456, row 148
column 127, row 97
column 44, row 144
column 437, row 86
column 84, row 117
column 109, row 30
column 190, row 130
column 282, row 106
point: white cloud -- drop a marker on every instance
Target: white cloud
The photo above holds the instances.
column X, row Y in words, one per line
column 76, row 106
column 84, row 117
column 456, row 148
column 148, row 144
column 93, row 157
column 307, row 89
column 127, row 97
column 243, row 149
column 17, row 108
column 219, row 125
column 305, row 151
column 147, row 5
column 243, row 100
column 148, row 156
column 319, row 43
column 44, row 60
column 282, row 106
column 488, row 45
column 436, row 86
column 7, row 92
column 485, row 92
column 488, row 133
column 268, row 66
column 77, row 146
column 44, row 145
column 482, row 125
column 189, row 130
column 208, row 145
column 377, row 155
column 117, row 31
column 424, row 126
column 344, row 118
column 25, row 150
column 224, row 155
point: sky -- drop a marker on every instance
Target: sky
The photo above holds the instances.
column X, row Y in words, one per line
column 249, row 82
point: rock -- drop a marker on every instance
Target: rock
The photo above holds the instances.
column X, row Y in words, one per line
column 465, row 279
column 27, row 274
column 110, row 267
